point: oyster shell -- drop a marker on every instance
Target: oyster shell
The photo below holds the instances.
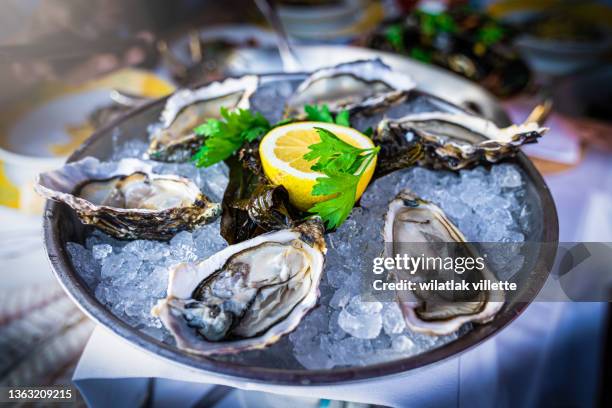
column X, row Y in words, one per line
column 351, row 86
column 416, row 227
column 251, row 205
column 454, row 141
column 126, row 199
column 246, row 296
column 175, row 141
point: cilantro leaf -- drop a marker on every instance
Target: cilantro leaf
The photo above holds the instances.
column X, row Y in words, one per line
column 332, row 152
column 321, row 113
column 343, row 118
column 335, row 210
column 343, row 165
column 222, row 137
column 208, row 128
column 253, row 133
column 318, row 113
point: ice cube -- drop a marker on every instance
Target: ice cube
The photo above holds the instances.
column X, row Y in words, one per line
column 363, row 326
column 101, row 251
column 507, row 175
column 393, row 320
column 403, row 344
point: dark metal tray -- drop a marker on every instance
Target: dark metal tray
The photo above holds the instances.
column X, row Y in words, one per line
column 62, row 226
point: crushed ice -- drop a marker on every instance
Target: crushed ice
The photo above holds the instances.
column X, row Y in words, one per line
column 343, row 330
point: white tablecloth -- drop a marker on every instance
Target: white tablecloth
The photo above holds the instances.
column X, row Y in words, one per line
column 510, row 370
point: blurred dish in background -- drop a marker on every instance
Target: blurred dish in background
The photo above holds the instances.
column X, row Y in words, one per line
column 38, row 132
column 430, row 79
column 560, row 150
column 586, row 95
column 582, row 119
column 337, row 21
column 200, row 55
column 461, row 39
column 586, row 101
column 559, row 37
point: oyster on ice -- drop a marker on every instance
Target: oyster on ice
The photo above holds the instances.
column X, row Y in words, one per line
column 351, row 86
column 418, row 228
column 246, row 296
column 175, row 140
column 455, row 140
column 127, row 200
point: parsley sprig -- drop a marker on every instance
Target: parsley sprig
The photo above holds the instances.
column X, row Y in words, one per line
column 322, row 114
column 226, row 135
column 222, row 137
column 343, row 166
column 341, row 163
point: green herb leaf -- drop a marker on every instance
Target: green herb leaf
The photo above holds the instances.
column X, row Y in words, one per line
column 343, row 164
column 321, row 113
column 318, row 113
column 490, row 34
column 253, row 133
column 343, row 118
column 226, row 135
column 332, row 152
column 335, row 210
column 420, row 54
column 433, row 23
column 395, row 35
column 283, row 122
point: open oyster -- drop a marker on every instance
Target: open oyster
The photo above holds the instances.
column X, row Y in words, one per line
column 175, row 141
column 420, row 229
column 453, row 140
column 350, row 86
column 127, row 200
column 246, row 296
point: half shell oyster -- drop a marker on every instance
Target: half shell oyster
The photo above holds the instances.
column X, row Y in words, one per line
column 127, row 200
column 246, row 296
column 418, row 228
column 454, row 141
column 350, row 86
column 175, row 141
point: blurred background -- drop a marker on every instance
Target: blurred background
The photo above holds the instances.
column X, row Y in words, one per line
column 69, row 67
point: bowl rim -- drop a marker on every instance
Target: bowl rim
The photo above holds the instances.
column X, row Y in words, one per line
column 77, row 290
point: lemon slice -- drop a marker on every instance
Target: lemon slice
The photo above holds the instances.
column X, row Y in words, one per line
column 282, row 150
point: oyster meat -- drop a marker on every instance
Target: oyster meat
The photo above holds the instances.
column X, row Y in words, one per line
column 127, row 200
column 175, row 140
column 351, row 86
column 246, row 296
column 454, row 140
column 418, row 228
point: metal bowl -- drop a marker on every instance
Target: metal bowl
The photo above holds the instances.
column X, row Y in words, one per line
column 62, row 226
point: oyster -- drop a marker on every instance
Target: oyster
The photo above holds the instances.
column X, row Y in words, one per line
column 417, row 228
column 175, row 141
column 127, row 200
column 453, row 140
column 246, row 296
column 351, row 86
column 251, row 205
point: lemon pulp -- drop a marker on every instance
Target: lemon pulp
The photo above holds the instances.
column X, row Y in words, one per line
column 282, row 151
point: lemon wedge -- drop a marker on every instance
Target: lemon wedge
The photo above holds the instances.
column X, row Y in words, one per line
column 282, row 153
